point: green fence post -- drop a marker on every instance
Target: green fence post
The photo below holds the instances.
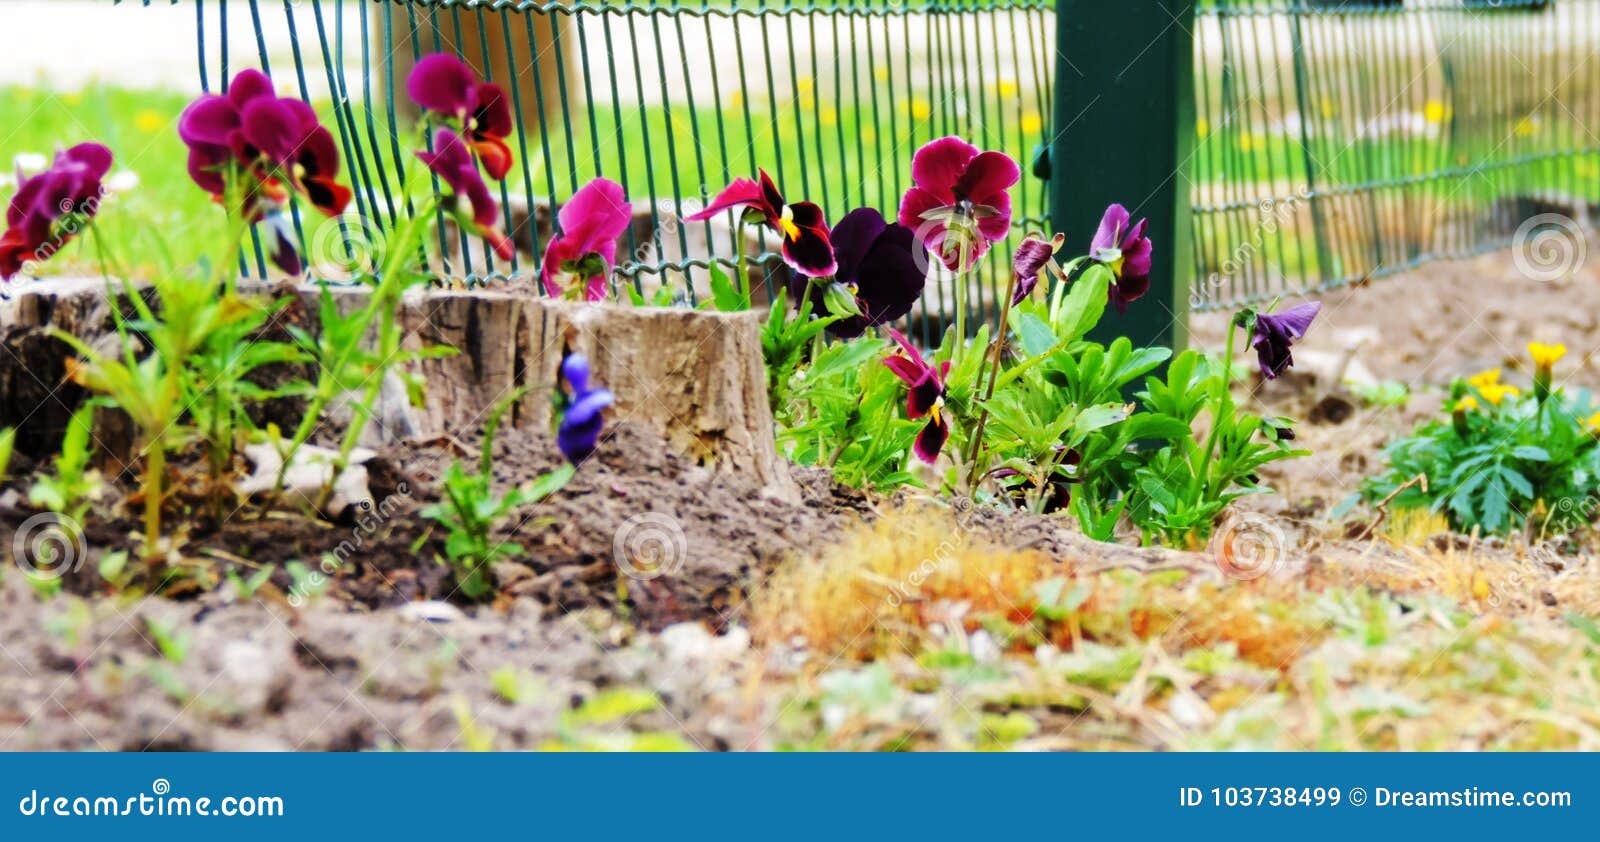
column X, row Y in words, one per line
column 1124, row 119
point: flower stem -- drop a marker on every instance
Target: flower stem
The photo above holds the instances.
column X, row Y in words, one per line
column 998, row 344
column 743, row 284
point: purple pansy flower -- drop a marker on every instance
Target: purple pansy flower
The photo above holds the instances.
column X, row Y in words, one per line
column 1032, row 256
column 877, row 262
column 1126, row 251
column 451, row 161
column 580, row 427
column 70, row 187
column 959, row 205
column 445, row 85
column 1274, row 333
column 806, row 243
column 591, row 222
column 924, row 397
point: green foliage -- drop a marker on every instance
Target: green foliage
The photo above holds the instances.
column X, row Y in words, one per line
column 74, row 486
column 1520, row 464
column 471, row 510
column 1055, row 429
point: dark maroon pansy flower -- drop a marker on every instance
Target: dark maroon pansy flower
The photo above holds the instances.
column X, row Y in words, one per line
column 806, row 243
column 1125, row 250
column 924, row 396
column 1274, row 333
column 39, row 219
column 586, row 247
column 453, row 163
column 1032, row 256
column 445, row 85
column 878, row 264
column 959, row 205
column 579, row 431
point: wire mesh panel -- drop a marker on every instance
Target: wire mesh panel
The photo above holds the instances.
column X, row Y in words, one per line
column 671, row 99
column 1337, row 141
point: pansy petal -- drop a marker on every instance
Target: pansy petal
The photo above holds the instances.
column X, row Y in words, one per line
column 210, row 119
column 496, row 157
column 931, row 440
column 996, row 224
column 248, row 85
column 442, row 83
column 769, row 193
column 810, row 252
column 491, row 111
column 987, row 174
column 938, row 165
column 741, row 192
column 913, row 205
column 1112, row 224
column 596, row 215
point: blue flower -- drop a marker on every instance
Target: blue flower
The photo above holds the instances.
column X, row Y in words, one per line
column 581, row 424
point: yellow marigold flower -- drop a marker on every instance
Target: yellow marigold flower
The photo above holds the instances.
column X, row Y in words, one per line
column 1545, row 356
column 1494, row 393
column 1485, row 378
column 1467, row 404
column 1592, row 424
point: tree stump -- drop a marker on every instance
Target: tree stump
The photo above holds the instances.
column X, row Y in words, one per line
column 695, row 378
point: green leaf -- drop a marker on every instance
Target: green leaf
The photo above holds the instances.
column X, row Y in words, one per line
column 1034, row 334
column 724, row 293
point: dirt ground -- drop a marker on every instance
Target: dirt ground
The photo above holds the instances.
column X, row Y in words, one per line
column 579, row 655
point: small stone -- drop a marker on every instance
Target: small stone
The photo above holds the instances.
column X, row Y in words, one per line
column 431, row 611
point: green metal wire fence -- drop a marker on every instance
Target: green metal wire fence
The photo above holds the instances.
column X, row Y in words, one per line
column 1334, row 141
column 1341, row 141
column 671, row 98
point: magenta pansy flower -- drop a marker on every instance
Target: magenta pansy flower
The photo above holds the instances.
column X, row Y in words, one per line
column 1125, row 249
column 276, row 143
column 1274, row 333
column 878, row 264
column 586, row 246
column 48, row 209
column 445, row 85
column 806, row 243
column 959, row 205
column 924, row 397
column 473, row 205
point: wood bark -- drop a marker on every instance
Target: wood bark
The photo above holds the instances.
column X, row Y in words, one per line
column 695, row 378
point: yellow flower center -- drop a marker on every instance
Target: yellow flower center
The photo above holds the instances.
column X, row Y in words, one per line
column 786, row 224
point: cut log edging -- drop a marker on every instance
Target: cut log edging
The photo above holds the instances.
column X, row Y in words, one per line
column 695, row 378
